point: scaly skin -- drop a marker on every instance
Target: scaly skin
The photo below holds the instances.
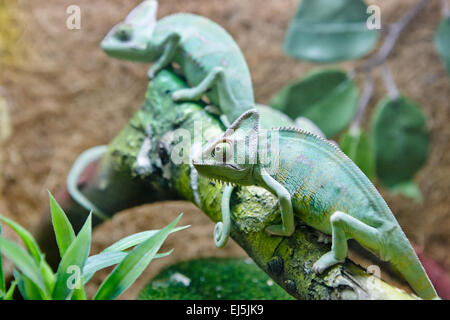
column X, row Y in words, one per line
column 207, row 55
column 317, row 183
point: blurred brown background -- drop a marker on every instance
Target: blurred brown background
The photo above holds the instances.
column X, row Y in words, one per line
column 65, row 95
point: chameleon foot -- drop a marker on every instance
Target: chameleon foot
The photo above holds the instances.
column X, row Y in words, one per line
column 279, row 230
column 186, row 94
column 326, row 261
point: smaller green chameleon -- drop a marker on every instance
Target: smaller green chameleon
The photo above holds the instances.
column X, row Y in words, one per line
column 315, row 181
column 207, row 55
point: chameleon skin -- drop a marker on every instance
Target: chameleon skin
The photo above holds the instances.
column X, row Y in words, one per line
column 317, row 183
column 207, row 55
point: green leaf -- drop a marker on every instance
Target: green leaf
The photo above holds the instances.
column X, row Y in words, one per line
column 26, row 237
column 358, row 147
column 23, row 260
column 330, row 31
column 401, row 140
column 442, row 41
column 326, row 97
column 135, row 239
column 74, row 258
column 33, row 248
column 107, row 259
column 123, row 276
column 9, row 294
column 47, row 275
column 64, row 232
column 408, row 189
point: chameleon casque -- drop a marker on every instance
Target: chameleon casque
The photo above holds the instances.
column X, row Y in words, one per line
column 316, row 182
column 208, row 57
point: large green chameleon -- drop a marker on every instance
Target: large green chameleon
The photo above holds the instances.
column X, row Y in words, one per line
column 207, row 55
column 319, row 184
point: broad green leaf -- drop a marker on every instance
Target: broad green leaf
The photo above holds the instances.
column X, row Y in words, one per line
column 74, row 259
column 135, row 239
column 330, row 31
column 401, row 140
column 408, row 189
column 26, row 237
column 23, row 261
column 107, row 259
column 442, row 41
column 326, row 97
column 358, row 147
column 123, row 276
column 63, row 229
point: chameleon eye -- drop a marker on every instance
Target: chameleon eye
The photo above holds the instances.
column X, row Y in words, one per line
column 222, row 152
column 124, row 32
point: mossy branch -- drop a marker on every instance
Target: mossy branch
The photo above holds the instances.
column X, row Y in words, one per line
column 124, row 179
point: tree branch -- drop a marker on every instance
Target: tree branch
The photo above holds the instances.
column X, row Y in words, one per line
column 118, row 183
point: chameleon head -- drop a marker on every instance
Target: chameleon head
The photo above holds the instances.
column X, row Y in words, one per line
column 130, row 39
column 231, row 157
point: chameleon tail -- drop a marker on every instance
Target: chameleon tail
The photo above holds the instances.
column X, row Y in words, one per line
column 222, row 229
column 77, row 169
column 413, row 272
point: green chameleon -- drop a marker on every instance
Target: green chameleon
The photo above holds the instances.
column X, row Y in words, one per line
column 207, row 55
column 318, row 183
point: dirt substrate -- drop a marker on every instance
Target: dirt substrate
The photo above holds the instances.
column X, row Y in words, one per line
column 69, row 96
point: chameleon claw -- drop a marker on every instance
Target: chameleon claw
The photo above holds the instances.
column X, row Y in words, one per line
column 326, row 261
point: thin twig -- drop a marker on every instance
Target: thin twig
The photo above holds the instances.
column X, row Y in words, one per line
column 363, row 103
column 394, row 32
column 389, row 82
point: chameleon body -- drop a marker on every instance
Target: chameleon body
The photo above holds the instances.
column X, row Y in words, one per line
column 207, row 55
column 317, row 183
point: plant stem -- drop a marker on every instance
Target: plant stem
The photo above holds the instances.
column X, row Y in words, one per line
column 363, row 103
column 394, row 32
column 389, row 82
column 379, row 58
